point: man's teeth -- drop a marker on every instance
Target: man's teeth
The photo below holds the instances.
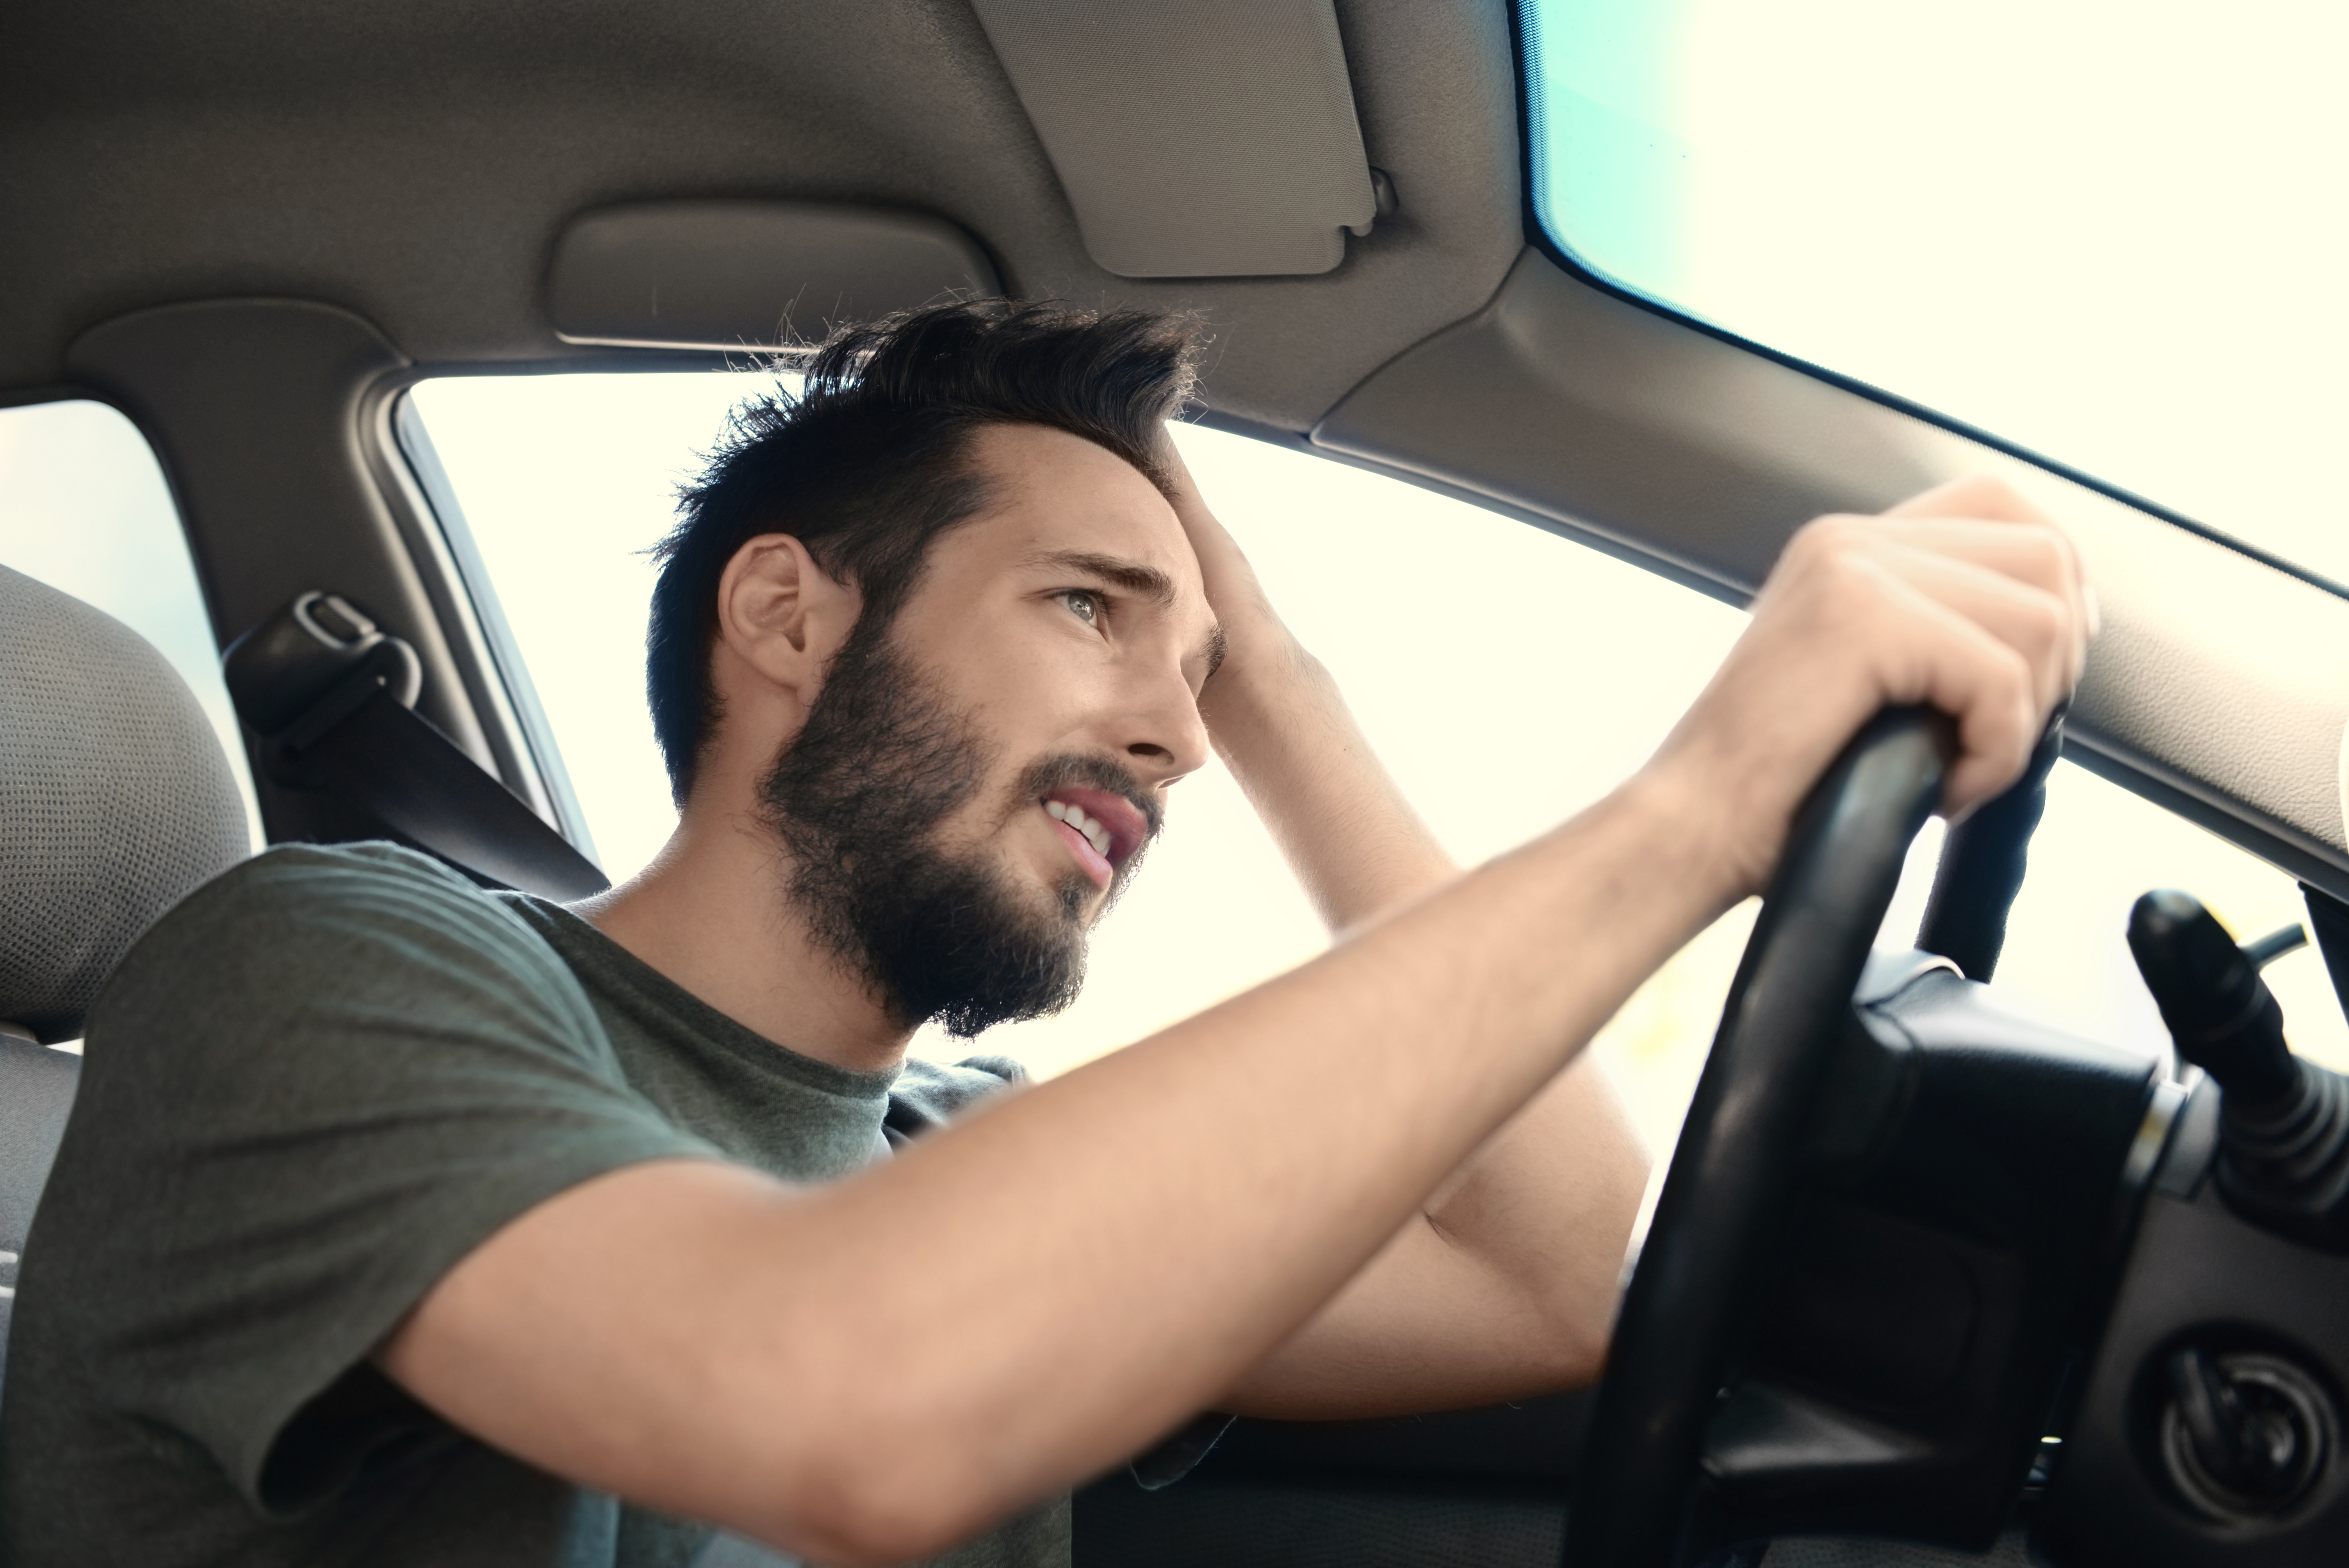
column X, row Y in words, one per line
column 1096, row 834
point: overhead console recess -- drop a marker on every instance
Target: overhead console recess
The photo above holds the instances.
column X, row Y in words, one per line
column 722, row 274
column 1195, row 138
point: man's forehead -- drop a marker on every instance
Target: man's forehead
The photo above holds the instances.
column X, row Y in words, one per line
column 1060, row 500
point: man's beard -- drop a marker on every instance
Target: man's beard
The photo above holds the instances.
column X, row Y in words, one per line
column 857, row 798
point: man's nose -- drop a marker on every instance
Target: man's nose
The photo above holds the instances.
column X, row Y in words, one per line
column 1164, row 734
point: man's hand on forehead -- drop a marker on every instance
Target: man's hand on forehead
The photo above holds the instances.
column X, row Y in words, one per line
column 1279, row 722
column 1248, row 627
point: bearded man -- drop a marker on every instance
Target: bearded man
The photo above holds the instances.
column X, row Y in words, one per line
column 402, row 1222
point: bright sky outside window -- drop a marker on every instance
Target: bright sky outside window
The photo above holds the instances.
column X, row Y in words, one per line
column 2107, row 229
column 1507, row 677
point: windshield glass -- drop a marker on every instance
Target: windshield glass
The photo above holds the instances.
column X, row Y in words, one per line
column 2106, row 230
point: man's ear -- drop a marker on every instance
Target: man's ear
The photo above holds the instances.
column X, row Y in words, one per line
column 782, row 615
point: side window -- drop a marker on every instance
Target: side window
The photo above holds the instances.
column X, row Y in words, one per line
column 84, row 509
column 562, row 482
column 1507, row 677
column 2094, row 227
column 2097, row 849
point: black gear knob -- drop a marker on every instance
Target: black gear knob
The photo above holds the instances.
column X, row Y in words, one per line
column 2219, row 1010
column 2284, row 1124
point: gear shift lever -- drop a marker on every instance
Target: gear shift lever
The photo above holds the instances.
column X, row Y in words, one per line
column 2284, row 1125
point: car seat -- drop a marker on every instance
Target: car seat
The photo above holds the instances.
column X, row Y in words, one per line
column 115, row 803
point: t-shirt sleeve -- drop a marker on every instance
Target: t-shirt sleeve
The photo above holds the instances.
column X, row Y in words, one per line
column 309, row 1092
column 928, row 1095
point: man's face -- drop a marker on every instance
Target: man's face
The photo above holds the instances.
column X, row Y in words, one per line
column 976, row 782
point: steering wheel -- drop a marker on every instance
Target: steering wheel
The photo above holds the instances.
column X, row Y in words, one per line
column 1732, row 1168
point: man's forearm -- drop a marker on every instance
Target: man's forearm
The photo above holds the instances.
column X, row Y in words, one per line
column 1503, row 1286
column 1281, row 725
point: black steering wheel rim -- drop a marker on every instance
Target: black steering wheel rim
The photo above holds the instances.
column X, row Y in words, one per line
column 1735, row 1159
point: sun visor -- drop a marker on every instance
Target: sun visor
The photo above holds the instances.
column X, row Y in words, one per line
column 749, row 275
column 1195, row 137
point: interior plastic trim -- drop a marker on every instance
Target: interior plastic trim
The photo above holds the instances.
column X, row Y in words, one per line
column 1193, row 138
column 750, row 275
column 516, row 697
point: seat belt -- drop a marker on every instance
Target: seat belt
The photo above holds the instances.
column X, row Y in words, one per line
column 333, row 695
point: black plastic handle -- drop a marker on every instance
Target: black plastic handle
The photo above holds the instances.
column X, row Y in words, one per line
column 2220, row 1013
column 282, row 669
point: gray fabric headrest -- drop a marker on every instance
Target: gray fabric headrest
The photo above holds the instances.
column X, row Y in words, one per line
column 115, row 800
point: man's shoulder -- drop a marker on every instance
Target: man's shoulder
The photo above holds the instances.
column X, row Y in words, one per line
column 341, row 871
column 293, row 884
column 328, row 914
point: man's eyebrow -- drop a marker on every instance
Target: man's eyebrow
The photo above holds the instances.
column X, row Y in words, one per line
column 1145, row 581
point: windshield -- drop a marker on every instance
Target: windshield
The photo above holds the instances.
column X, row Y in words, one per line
column 2106, row 230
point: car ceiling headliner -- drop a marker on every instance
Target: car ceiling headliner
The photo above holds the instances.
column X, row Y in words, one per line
column 414, row 163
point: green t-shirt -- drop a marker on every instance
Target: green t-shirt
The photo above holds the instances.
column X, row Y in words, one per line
column 309, row 1092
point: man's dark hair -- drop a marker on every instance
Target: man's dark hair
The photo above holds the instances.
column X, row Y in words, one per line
column 870, row 462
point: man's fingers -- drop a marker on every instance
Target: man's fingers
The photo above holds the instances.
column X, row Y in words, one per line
column 2036, row 553
column 1991, row 691
column 2049, row 630
column 1985, row 497
column 1954, row 663
column 1983, row 620
column 2023, row 581
column 1975, row 495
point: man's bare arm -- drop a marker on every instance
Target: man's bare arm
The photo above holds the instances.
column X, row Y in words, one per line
column 1504, row 1284
column 870, row 1371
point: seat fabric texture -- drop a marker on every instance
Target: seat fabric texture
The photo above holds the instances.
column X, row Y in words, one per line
column 115, row 800
column 115, row 803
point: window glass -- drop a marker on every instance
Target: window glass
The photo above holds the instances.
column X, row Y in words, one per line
column 1507, row 677
column 84, row 509
column 2098, row 849
column 2103, row 228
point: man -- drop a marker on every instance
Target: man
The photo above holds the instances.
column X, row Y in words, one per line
column 399, row 1223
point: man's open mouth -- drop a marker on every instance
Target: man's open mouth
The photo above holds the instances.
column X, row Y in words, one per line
column 1102, row 830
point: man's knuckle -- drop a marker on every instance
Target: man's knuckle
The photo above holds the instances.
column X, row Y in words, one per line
column 2018, row 681
column 2055, row 550
column 1826, row 535
column 2049, row 625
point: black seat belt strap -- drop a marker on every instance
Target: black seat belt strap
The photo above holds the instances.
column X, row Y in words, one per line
column 332, row 697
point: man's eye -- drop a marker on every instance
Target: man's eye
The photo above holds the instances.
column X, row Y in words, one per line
column 1083, row 605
